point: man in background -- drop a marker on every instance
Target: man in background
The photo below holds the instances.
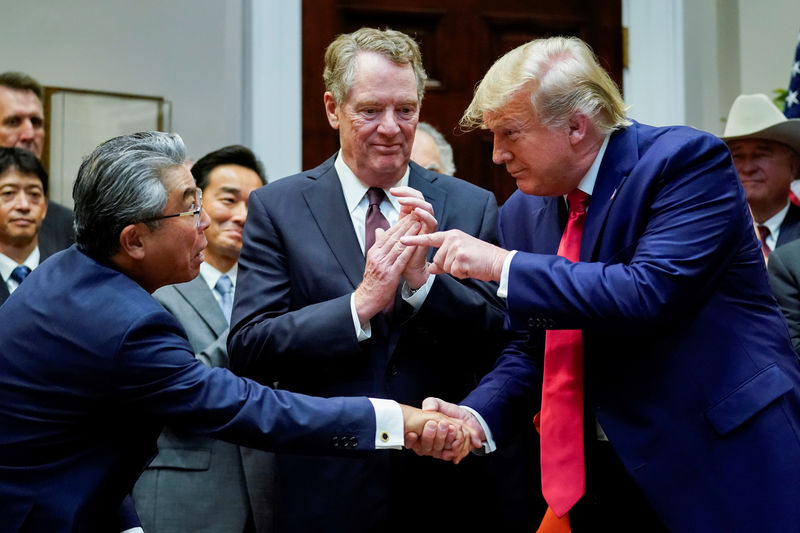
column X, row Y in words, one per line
column 234, row 483
column 22, row 126
column 323, row 310
column 432, row 151
column 23, row 206
column 765, row 146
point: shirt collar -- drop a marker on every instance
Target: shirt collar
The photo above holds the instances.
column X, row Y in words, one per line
column 774, row 223
column 211, row 275
column 7, row 265
column 589, row 179
column 354, row 189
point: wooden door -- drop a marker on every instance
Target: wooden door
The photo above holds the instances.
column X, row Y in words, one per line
column 459, row 40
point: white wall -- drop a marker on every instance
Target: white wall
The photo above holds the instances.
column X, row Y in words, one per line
column 713, row 49
column 187, row 51
column 768, row 37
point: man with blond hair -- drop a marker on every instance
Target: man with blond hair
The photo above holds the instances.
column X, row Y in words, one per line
column 670, row 393
column 322, row 310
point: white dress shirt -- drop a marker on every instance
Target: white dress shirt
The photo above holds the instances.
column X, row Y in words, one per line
column 7, row 266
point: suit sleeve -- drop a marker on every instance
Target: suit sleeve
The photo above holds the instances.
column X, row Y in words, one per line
column 177, row 390
column 270, row 331
column 692, row 224
column 786, row 288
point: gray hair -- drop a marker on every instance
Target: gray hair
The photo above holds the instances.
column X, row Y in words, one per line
column 340, row 58
column 445, row 150
column 119, row 184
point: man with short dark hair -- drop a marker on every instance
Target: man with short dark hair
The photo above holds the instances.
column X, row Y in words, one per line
column 22, row 126
column 23, row 206
column 92, row 367
column 235, row 483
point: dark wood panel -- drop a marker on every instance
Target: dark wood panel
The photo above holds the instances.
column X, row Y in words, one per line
column 459, row 40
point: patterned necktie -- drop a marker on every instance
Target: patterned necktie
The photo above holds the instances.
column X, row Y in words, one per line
column 563, row 469
column 763, row 233
column 375, row 218
column 223, row 288
column 20, row 273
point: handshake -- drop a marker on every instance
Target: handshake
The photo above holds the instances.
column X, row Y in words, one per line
column 442, row 430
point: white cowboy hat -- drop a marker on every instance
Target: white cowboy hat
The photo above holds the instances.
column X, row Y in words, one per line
column 754, row 116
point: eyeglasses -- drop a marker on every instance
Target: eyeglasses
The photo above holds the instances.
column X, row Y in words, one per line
column 196, row 210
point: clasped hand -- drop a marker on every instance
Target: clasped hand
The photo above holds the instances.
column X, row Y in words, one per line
column 433, row 433
column 442, row 430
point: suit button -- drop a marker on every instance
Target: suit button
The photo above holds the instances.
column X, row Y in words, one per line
column 531, row 323
column 335, row 442
column 354, row 442
column 393, row 370
column 551, row 323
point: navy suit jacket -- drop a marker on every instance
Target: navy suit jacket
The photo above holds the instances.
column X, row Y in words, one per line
column 688, row 364
column 92, row 367
column 292, row 324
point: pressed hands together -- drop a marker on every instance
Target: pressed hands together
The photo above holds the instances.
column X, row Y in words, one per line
column 440, row 429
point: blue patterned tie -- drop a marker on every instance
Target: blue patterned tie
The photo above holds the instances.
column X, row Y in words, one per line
column 20, row 273
column 223, row 287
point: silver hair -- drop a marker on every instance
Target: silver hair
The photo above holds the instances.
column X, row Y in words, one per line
column 445, row 150
column 120, row 183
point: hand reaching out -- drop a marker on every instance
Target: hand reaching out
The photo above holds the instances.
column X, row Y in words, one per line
column 450, row 437
column 438, row 438
column 461, row 255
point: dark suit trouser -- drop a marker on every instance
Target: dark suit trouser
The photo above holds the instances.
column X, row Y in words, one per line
column 612, row 501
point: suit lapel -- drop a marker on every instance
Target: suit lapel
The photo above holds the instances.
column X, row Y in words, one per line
column 326, row 203
column 199, row 296
column 619, row 159
column 425, row 182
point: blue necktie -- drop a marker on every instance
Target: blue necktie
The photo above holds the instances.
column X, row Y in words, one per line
column 223, row 288
column 20, row 273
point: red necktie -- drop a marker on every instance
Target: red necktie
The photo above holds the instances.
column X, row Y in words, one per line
column 763, row 233
column 563, row 472
column 375, row 218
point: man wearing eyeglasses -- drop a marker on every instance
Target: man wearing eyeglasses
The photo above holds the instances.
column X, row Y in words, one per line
column 92, row 367
column 234, row 482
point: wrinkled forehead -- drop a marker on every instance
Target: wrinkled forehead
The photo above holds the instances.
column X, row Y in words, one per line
column 19, row 101
column 515, row 111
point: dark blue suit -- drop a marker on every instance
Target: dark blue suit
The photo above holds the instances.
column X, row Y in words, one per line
column 92, row 367
column 689, row 368
column 292, row 323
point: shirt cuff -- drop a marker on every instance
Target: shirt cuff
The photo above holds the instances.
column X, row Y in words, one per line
column 488, row 445
column 134, row 530
column 361, row 334
column 389, row 424
column 416, row 298
column 502, row 290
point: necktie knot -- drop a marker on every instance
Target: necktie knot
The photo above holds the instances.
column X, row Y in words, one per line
column 223, row 287
column 20, row 273
column 578, row 201
column 763, row 233
column 375, row 196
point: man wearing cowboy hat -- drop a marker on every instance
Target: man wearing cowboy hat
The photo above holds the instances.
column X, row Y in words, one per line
column 765, row 146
